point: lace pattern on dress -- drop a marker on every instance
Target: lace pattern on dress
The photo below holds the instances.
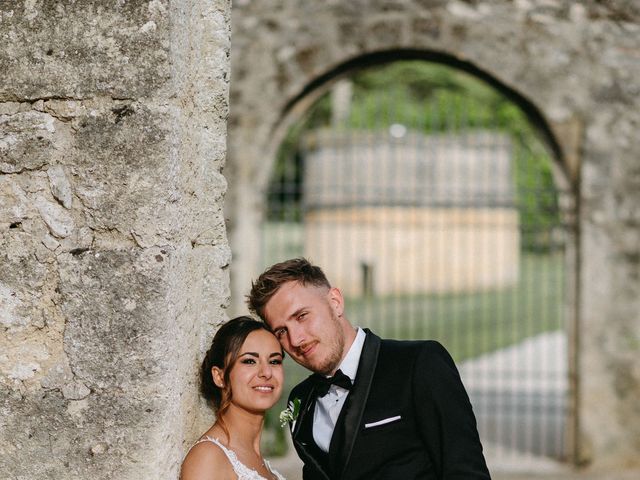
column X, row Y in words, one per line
column 240, row 469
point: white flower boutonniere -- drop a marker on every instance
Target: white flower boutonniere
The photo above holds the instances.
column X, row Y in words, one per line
column 290, row 413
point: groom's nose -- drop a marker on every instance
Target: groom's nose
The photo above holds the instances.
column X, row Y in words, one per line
column 296, row 335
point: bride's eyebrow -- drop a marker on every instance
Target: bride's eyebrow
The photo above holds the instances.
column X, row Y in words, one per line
column 257, row 355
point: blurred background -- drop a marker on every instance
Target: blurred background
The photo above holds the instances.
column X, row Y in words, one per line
column 428, row 156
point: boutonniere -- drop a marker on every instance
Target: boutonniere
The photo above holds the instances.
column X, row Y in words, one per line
column 290, row 413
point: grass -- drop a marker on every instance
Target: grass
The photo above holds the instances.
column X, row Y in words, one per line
column 474, row 323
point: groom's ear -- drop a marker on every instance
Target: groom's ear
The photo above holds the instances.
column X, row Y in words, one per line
column 336, row 300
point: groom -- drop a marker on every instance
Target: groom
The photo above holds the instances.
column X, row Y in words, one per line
column 373, row 409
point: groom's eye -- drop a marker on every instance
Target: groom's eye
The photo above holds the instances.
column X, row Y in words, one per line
column 279, row 333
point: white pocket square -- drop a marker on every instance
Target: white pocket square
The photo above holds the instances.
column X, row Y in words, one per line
column 382, row 422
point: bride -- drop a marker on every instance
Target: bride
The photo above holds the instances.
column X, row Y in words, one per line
column 242, row 376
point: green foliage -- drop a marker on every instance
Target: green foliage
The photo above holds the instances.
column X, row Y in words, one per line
column 430, row 96
column 537, row 200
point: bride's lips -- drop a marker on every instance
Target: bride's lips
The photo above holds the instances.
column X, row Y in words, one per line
column 264, row 388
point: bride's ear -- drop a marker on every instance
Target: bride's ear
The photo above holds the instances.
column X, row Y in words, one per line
column 218, row 376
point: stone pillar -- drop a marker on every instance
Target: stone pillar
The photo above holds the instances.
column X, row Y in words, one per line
column 113, row 251
column 609, row 360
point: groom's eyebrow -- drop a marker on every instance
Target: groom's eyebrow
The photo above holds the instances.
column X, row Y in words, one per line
column 297, row 312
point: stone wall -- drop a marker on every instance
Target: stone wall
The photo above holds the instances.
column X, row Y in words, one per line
column 113, row 251
column 576, row 63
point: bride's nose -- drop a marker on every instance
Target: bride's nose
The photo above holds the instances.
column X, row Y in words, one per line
column 265, row 370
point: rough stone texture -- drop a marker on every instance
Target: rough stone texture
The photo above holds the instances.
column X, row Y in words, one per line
column 578, row 62
column 113, row 251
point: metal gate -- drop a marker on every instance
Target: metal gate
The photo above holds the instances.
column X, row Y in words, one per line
column 436, row 212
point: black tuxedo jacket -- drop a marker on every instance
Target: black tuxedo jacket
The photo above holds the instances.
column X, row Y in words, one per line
column 407, row 416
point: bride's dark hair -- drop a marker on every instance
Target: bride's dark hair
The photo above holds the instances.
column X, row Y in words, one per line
column 223, row 354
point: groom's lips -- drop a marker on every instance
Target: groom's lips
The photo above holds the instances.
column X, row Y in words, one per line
column 308, row 349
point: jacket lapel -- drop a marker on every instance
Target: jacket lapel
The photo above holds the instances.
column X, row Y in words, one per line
column 302, row 434
column 305, row 407
column 351, row 415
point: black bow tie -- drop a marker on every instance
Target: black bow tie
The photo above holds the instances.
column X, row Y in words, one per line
column 322, row 383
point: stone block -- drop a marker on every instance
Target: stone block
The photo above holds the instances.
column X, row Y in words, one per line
column 29, row 140
column 82, row 49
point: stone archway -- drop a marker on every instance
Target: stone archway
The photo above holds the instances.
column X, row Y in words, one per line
column 574, row 61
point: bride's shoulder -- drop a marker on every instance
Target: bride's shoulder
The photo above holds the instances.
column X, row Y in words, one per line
column 206, row 461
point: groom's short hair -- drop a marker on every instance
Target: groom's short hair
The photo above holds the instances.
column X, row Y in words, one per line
column 293, row 270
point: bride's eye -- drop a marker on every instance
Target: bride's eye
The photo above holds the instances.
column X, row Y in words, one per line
column 248, row 361
column 276, row 362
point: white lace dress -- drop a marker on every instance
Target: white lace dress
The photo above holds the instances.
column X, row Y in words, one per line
column 240, row 469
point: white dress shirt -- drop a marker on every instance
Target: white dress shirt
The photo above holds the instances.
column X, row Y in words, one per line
column 328, row 407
